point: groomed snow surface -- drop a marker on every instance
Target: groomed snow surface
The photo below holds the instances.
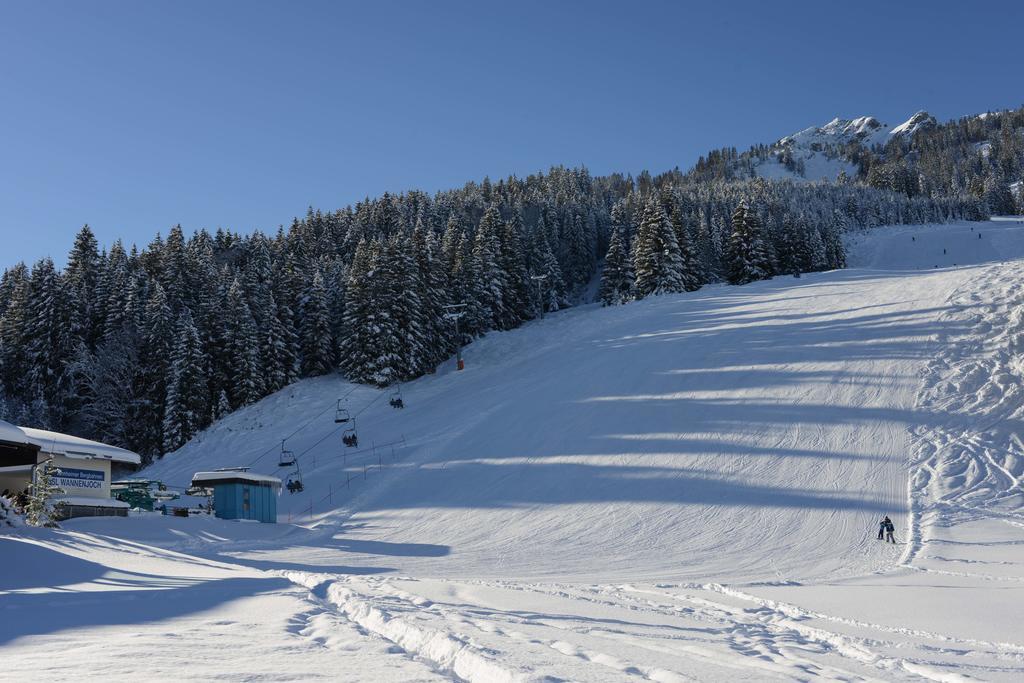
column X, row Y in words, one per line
column 684, row 488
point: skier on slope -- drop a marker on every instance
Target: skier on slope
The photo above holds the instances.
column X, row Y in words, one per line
column 886, row 528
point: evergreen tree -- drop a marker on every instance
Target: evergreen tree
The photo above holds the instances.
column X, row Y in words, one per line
column 512, row 258
column 692, row 272
column 47, row 339
column 617, row 277
column 791, row 249
column 401, row 280
column 656, row 259
column 14, row 361
column 186, row 407
column 82, row 276
column 433, row 288
column 157, row 347
column 384, row 344
column 488, row 282
column 223, row 406
column 543, row 262
column 355, row 347
column 242, row 350
column 40, row 508
column 106, row 379
column 747, row 255
column 317, row 344
column 115, row 290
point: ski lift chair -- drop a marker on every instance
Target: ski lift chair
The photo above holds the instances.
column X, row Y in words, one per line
column 287, row 458
column 294, row 484
column 396, row 399
column 349, row 438
column 341, row 414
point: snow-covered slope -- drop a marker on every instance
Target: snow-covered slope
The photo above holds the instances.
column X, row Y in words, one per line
column 682, row 488
column 754, row 431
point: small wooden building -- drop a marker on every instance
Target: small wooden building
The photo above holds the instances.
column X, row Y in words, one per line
column 240, row 494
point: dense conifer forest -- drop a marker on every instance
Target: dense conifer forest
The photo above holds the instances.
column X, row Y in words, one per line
column 144, row 346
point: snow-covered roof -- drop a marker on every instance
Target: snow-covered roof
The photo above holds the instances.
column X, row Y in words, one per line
column 11, row 434
column 90, row 502
column 77, row 447
column 234, row 476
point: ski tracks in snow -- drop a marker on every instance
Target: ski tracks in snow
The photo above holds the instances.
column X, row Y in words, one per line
column 969, row 466
column 495, row 631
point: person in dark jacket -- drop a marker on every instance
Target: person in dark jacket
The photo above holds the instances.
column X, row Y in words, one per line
column 889, row 528
column 882, row 526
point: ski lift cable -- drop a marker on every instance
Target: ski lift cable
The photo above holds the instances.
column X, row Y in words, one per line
column 335, row 430
column 300, row 428
column 277, row 449
column 401, row 442
column 306, row 424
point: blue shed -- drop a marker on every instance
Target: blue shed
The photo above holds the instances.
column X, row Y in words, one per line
column 239, row 494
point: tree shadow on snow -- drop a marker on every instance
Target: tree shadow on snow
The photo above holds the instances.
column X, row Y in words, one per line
column 145, row 598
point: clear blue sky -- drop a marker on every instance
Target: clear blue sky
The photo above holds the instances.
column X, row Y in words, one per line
column 134, row 116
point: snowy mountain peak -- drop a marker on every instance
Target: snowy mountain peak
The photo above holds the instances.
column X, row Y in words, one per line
column 836, row 131
column 857, row 127
column 864, row 129
column 816, row 153
column 922, row 120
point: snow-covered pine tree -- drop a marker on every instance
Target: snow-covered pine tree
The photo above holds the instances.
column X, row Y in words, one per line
column 223, row 406
column 383, row 335
column 512, row 258
column 114, row 286
column 621, row 220
column 354, row 348
column 816, row 250
column 656, row 260
column 317, row 344
column 156, row 346
column 747, row 254
column 835, row 252
column 48, row 339
column 433, row 295
column 106, row 381
column 241, row 349
column 692, row 270
column 82, row 276
column 791, row 248
column 406, row 308
column 542, row 261
column 488, row 281
column 40, row 509
column 617, row 277
column 259, row 295
column 14, row 330
column 579, row 247
column 186, row 407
